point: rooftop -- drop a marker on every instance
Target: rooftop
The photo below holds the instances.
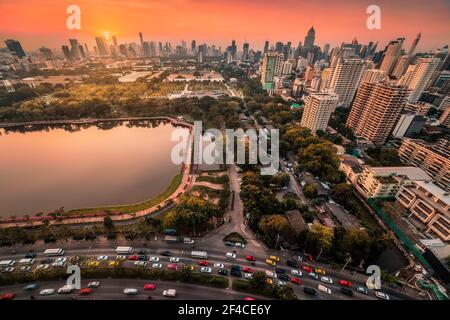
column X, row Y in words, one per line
column 435, row 190
column 413, row 173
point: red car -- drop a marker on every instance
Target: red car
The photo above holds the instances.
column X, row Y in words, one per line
column 136, row 258
column 149, row 286
column 247, row 270
column 7, row 296
column 203, row 263
column 345, row 283
column 250, row 258
column 307, row 268
column 172, row 266
column 249, row 298
column 85, row 291
column 296, row 280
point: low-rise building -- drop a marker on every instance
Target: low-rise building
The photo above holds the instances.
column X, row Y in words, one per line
column 352, row 168
column 385, row 182
column 429, row 204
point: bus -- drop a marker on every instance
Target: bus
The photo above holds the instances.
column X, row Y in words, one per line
column 54, row 252
column 7, row 263
column 199, row 254
column 124, row 250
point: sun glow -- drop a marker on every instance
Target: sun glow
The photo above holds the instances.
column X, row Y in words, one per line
column 107, row 35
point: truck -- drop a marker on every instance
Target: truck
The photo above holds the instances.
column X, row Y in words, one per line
column 199, row 254
column 124, row 250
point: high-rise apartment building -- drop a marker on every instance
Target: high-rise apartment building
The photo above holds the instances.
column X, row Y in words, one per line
column 317, row 111
column 376, row 110
column 444, row 119
column 271, row 67
column 414, row 45
column 401, row 66
column 373, row 75
column 102, row 46
column 345, row 79
column 309, row 39
column 418, row 76
column 16, row 48
column 391, row 55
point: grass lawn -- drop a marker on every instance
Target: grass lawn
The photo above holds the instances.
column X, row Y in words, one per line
column 130, row 208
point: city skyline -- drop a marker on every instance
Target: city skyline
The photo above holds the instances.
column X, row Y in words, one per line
column 289, row 21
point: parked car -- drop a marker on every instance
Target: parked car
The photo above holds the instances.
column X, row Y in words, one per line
column 250, row 258
column 219, row 265
column 345, row 283
column 85, row 291
column 324, row 289
column 157, row 266
column 223, row 272
column 313, row 276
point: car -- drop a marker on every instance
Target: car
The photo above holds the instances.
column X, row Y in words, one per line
column 309, row 290
column 61, row 259
column 203, row 263
column 142, row 258
column 271, row 262
column 223, row 272
column 114, row 263
column 297, row 258
column 248, row 276
column 172, row 266
column 149, row 286
column 121, row 257
column 231, row 255
column 25, row 268
column 130, row 291
column 326, row 280
column 347, row 291
column 320, row 271
column 239, row 244
column 280, row 270
column 135, row 258
column 166, row 253
column 8, row 270
column 324, row 289
column 66, row 289
column 94, row 284
column 235, row 272
column 157, row 266
column 92, row 263
column 247, row 270
column 362, row 290
column 86, row 291
column 250, row 258
column 274, row 258
column 31, row 287
column 170, row 293
column 271, row 274
column 174, row 259
column 307, row 268
column 189, row 267
column 154, row 259
column 296, row 272
column 75, row 259
column 188, row 241
column 345, row 283
column 205, row 270
column 219, row 265
column 102, row 258
column 296, row 280
column 30, row 255
column 292, row 264
column 229, row 244
column 382, row 295
column 47, row 292
column 283, row 277
column 282, row 283
column 142, row 264
column 269, row 281
column 313, row 276
column 7, row 296
column 142, row 252
column 249, row 298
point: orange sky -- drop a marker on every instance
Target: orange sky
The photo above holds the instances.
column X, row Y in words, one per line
column 42, row 22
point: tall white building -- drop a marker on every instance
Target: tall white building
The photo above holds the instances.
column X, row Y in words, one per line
column 401, row 66
column 318, row 109
column 391, row 55
column 271, row 68
column 417, row 77
column 345, row 79
column 373, row 75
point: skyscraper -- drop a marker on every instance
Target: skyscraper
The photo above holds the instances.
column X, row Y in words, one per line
column 193, row 47
column 414, row 45
column 75, row 49
column 141, row 39
column 102, row 46
column 419, row 76
column 391, row 55
column 345, row 79
column 373, row 75
column 48, row 53
column 271, row 67
column 309, row 39
column 245, row 49
column 376, row 110
column 266, row 47
column 318, row 109
column 114, row 39
column 401, row 66
column 16, row 48
column 66, row 51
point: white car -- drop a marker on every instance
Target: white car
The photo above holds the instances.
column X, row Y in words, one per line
column 205, row 270
column 62, row 259
column 271, row 274
column 231, row 255
column 324, row 289
column 296, row 272
column 130, row 291
column 174, row 259
column 25, row 268
column 58, row 264
column 381, row 295
column 9, row 269
column 102, row 258
column 121, row 257
column 47, row 292
column 248, row 276
column 282, row 283
column 157, row 266
column 326, row 280
column 219, row 265
column 188, row 241
column 154, row 259
column 140, row 264
column 239, row 245
column 66, row 289
column 170, row 293
column 297, row 258
column 94, row 284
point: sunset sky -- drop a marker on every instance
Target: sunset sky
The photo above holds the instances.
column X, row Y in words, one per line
column 43, row 22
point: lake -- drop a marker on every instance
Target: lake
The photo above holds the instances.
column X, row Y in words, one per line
column 76, row 166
